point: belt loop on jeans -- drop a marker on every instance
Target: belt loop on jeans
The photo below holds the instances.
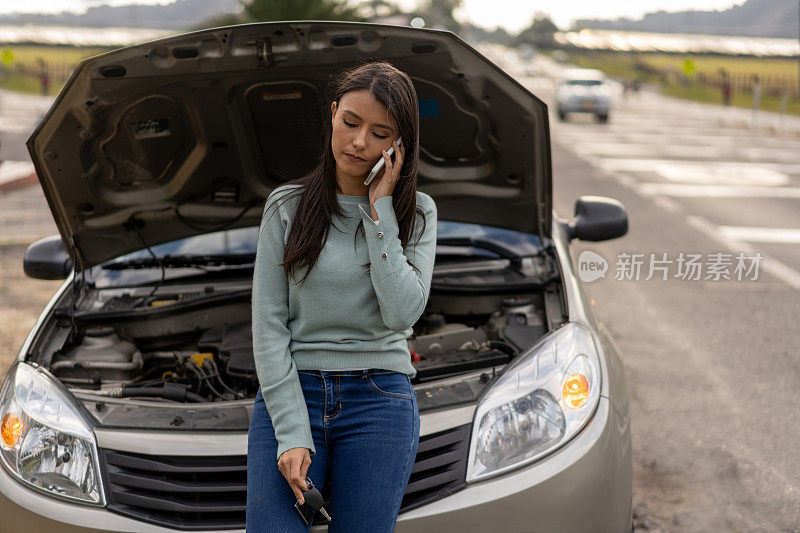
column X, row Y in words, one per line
column 364, row 373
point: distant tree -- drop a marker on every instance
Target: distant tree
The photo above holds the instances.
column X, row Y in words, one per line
column 540, row 33
column 439, row 14
column 228, row 19
column 377, row 8
column 265, row 10
column 479, row 34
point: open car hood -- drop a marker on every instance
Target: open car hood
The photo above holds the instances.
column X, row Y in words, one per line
column 189, row 134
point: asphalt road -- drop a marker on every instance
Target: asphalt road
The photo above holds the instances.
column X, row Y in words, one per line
column 24, row 214
column 712, row 363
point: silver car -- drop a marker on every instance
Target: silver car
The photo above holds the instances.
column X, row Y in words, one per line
column 583, row 90
column 129, row 403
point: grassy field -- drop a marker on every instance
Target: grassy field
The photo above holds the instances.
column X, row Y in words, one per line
column 649, row 68
column 740, row 65
column 738, row 99
column 620, row 66
column 30, row 55
column 51, row 54
column 625, row 64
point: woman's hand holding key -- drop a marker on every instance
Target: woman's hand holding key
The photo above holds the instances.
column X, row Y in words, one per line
column 293, row 464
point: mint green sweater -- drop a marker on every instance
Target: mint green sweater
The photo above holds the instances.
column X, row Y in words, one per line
column 342, row 316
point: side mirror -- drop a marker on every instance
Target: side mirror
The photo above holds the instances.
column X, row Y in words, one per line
column 47, row 259
column 597, row 219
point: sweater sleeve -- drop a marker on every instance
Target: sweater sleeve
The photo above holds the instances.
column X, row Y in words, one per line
column 402, row 291
column 275, row 367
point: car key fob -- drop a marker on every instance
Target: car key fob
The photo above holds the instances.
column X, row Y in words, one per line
column 305, row 511
column 312, row 502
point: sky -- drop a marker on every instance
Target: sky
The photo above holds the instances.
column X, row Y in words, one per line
column 513, row 15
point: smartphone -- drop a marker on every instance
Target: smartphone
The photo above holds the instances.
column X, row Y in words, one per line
column 306, row 512
column 379, row 165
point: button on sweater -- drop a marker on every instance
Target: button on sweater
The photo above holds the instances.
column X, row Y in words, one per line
column 355, row 310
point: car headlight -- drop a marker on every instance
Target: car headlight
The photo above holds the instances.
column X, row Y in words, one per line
column 540, row 402
column 46, row 443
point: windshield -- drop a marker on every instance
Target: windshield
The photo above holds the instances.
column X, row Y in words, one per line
column 244, row 240
column 585, row 83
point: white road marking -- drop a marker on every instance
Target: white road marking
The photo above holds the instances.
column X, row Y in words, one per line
column 716, row 153
column 716, row 191
column 721, row 174
column 7, row 126
column 683, row 136
column 751, row 234
column 778, row 269
column 653, row 128
column 17, row 118
column 634, row 118
column 666, row 204
column 649, row 165
column 13, row 170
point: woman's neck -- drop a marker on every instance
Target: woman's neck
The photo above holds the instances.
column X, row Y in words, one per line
column 351, row 185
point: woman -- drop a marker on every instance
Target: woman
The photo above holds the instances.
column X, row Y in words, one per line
column 342, row 272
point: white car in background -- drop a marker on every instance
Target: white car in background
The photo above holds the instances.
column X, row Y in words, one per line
column 583, row 91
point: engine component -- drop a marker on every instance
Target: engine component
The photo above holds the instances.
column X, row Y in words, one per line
column 434, row 322
column 522, row 336
column 449, row 338
column 457, row 363
column 170, row 391
column 519, row 311
column 233, row 345
column 523, row 306
column 523, row 325
column 103, row 352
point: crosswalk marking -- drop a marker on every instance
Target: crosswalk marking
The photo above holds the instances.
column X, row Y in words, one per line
column 648, row 165
column 21, row 126
column 715, row 153
column 696, row 139
column 14, row 170
column 775, row 267
column 721, row 174
column 716, row 191
column 771, row 235
column 652, row 127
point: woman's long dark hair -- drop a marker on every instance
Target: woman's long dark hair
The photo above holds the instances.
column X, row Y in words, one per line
column 314, row 214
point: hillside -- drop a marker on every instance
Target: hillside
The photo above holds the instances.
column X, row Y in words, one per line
column 177, row 15
column 754, row 18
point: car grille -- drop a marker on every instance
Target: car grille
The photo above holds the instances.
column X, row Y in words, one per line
column 194, row 493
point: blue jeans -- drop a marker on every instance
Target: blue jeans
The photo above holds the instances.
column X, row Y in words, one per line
column 365, row 426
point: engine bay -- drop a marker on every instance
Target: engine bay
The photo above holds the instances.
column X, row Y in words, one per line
column 195, row 347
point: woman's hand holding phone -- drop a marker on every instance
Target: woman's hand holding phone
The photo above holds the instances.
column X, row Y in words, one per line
column 385, row 179
column 293, row 464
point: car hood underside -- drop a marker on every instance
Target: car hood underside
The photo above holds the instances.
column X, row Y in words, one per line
column 187, row 134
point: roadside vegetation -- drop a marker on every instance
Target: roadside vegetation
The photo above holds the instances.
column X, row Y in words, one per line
column 40, row 69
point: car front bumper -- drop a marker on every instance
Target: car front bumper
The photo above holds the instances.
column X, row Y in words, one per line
column 597, row 107
column 583, row 486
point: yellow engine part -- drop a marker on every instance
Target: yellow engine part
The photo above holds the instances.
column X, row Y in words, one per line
column 200, row 357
